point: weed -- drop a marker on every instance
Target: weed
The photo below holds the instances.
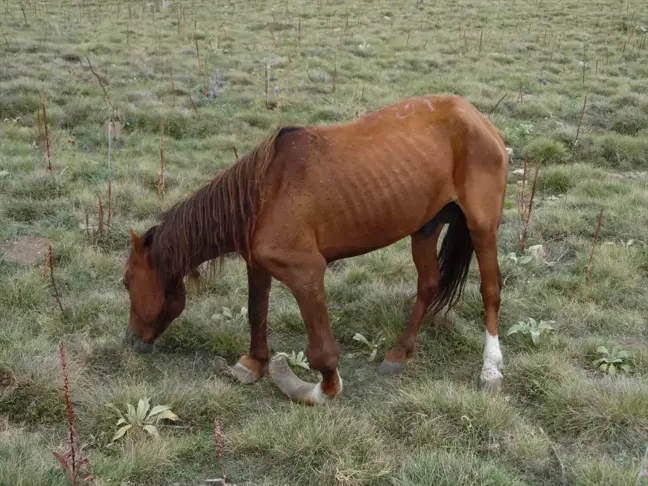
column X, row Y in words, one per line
column 144, row 418
column 611, row 361
column 535, row 330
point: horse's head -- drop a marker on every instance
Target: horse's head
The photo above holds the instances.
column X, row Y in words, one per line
column 155, row 299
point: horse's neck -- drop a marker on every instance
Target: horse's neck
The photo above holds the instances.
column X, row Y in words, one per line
column 205, row 252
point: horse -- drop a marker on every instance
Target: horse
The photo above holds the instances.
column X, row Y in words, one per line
column 307, row 196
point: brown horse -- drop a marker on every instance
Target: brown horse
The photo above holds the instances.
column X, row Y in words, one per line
column 308, row 196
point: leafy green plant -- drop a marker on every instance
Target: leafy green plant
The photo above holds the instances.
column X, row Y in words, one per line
column 373, row 346
column 612, row 360
column 143, row 417
column 298, row 359
column 532, row 328
column 227, row 313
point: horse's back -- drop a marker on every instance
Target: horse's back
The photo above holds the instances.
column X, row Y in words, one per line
column 366, row 183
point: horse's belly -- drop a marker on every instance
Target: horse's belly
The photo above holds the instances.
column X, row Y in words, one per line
column 374, row 217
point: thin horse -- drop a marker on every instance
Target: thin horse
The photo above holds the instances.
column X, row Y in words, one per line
column 305, row 197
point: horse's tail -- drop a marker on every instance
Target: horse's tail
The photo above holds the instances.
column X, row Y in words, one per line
column 454, row 262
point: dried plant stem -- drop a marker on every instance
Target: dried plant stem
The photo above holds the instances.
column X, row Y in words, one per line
column 22, row 7
column 101, row 219
column 274, row 39
column 525, row 231
column 39, row 124
column 235, row 154
column 108, row 102
column 580, row 121
column 160, row 180
column 69, row 411
column 49, row 268
column 335, row 71
column 48, row 143
column 110, row 174
column 193, row 106
column 492, row 110
column 521, row 209
column 218, row 437
column 481, row 36
column 588, row 278
column 173, row 95
column 78, row 468
column 299, row 32
column 109, row 203
column 197, row 54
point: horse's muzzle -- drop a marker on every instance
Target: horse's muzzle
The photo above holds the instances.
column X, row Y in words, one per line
column 139, row 346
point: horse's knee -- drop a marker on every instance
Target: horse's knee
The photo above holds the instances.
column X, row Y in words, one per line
column 427, row 289
column 323, row 357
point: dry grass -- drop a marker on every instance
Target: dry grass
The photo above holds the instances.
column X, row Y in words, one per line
column 531, row 64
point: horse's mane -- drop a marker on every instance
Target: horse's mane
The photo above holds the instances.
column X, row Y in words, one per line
column 219, row 217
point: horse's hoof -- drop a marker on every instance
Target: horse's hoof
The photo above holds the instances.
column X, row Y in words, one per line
column 391, row 368
column 242, row 374
column 493, row 386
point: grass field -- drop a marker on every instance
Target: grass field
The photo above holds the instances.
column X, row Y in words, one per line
column 199, row 70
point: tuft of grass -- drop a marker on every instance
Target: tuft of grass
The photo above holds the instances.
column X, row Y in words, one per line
column 455, row 468
column 594, row 410
column 545, row 150
column 314, row 446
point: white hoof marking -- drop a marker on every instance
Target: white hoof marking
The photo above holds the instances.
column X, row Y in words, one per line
column 318, row 396
column 493, row 360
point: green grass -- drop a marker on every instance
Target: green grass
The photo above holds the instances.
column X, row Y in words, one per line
column 329, row 61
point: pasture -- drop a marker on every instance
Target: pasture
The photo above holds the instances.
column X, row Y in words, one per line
column 111, row 112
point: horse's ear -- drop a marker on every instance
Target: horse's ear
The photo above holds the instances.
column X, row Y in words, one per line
column 136, row 241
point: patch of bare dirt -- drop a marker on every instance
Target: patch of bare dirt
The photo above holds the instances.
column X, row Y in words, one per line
column 26, row 250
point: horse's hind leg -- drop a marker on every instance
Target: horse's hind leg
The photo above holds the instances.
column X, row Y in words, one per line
column 485, row 242
column 424, row 254
column 482, row 205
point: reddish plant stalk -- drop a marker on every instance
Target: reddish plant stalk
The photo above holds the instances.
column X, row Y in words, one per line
column 48, row 146
column 218, row 436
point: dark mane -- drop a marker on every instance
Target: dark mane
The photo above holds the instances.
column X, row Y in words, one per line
column 220, row 217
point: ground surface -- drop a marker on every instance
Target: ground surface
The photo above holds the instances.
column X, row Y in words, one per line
column 198, row 67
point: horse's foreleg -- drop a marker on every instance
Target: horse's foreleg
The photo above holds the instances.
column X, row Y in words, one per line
column 485, row 243
column 424, row 254
column 250, row 367
column 305, row 278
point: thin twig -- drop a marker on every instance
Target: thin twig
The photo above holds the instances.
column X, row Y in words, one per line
column 110, row 174
column 588, row 278
column 50, row 266
column 497, row 104
column 580, row 121
column 528, row 216
column 160, row 180
column 110, row 105
column 521, row 209
column 274, row 39
column 193, row 106
column 48, row 146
